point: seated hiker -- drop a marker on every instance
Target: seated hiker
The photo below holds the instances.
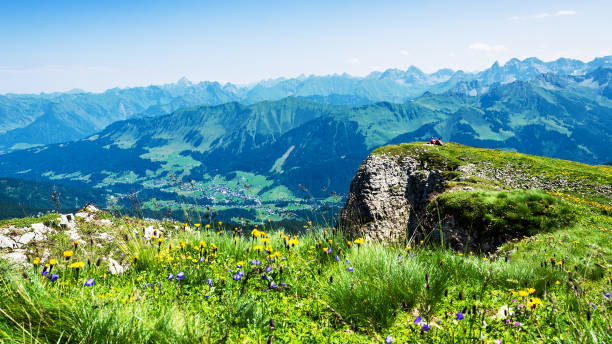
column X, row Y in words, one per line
column 438, row 142
column 432, row 141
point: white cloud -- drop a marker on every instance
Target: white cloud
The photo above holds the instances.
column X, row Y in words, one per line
column 353, row 61
column 561, row 13
column 565, row 13
column 405, row 52
column 486, row 47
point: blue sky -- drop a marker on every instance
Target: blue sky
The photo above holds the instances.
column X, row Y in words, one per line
column 60, row 45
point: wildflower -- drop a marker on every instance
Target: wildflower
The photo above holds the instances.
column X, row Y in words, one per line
column 268, row 268
column 388, row 339
column 170, row 276
column 180, row 276
column 238, row 276
column 67, row 254
column 337, row 258
column 425, row 328
column 534, row 303
column 350, row 269
column 418, row 320
column 202, row 244
column 326, row 250
column 77, row 265
column 523, row 293
column 89, row 282
column 459, row 316
column 52, row 262
column 358, row 241
column 607, row 295
column 36, row 261
column 201, row 260
column 557, row 283
column 264, row 240
column 257, row 262
column 258, row 248
column 54, row 277
column 197, row 225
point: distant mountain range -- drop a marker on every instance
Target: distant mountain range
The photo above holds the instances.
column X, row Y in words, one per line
column 266, row 155
column 31, row 120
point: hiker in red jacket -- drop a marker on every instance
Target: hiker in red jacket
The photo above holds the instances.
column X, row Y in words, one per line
column 432, row 141
column 438, row 142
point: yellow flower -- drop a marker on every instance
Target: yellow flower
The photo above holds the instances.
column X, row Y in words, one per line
column 534, row 303
column 310, row 223
column 160, row 240
column 557, row 283
column 269, row 248
column 77, row 265
column 197, row 225
column 202, row 244
column 359, row 241
column 220, row 223
column 275, row 254
column 67, row 254
column 36, row 261
column 523, row 293
column 325, row 249
column 52, row 262
column 207, row 225
column 257, row 248
column 531, row 290
column 255, row 233
column 264, row 240
column 292, row 242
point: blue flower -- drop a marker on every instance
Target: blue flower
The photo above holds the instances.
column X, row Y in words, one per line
column 238, row 276
column 201, row 260
column 329, row 250
column 460, row 316
column 388, row 339
column 89, row 282
column 347, row 261
column 252, row 262
column 210, row 282
column 607, row 295
column 425, row 328
column 337, row 258
column 54, row 277
column 418, row 320
column 283, row 284
column 239, row 266
column 180, row 275
column 206, row 296
column 45, row 273
column 257, row 262
column 170, row 276
column 350, row 269
column 273, row 285
column 269, row 268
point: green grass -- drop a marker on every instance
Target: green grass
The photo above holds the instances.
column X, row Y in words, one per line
column 388, row 287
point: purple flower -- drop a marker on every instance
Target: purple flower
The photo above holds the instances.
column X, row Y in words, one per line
column 425, row 328
column 347, row 261
column 180, row 276
column 350, row 269
column 273, row 285
column 329, row 250
column 283, row 284
column 45, row 273
column 337, row 258
column 238, row 276
column 388, row 339
column 418, row 320
column 89, row 282
column 210, row 282
column 607, row 295
column 460, row 316
column 239, row 266
column 201, row 260
column 252, row 262
column 517, row 324
column 206, row 296
column 257, row 262
column 170, row 276
column 269, row 268
column 54, row 277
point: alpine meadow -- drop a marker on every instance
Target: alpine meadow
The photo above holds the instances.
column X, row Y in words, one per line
column 317, row 186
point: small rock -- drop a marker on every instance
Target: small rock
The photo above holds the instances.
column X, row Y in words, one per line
column 114, row 267
column 6, row 242
column 16, row 257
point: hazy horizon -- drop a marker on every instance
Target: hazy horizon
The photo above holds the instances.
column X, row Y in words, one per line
column 61, row 46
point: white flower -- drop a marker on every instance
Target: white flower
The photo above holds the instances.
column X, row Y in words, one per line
column 504, row 312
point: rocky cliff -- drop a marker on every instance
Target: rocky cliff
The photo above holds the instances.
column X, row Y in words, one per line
column 466, row 197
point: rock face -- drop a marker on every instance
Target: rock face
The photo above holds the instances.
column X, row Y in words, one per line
column 388, row 196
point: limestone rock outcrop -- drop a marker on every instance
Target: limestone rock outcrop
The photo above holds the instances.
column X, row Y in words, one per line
column 388, row 196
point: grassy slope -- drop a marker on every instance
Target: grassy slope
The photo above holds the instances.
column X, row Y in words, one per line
column 568, row 270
